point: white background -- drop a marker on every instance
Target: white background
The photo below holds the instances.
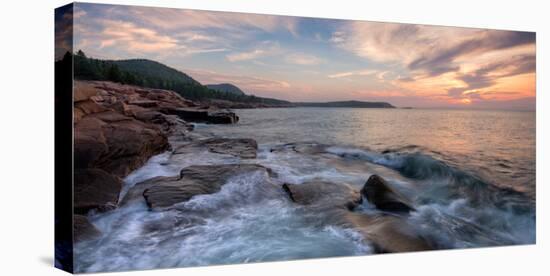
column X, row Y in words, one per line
column 27, row 140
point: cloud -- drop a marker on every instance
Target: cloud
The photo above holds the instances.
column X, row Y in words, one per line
column 385, row 42
column 78, row 12
column 134, row 38
column 263, row 49
column 488, row 75
column 196, row 36
column 366, row 72
column 177, row 19
column 404, row 61
column 119, row 39
column 430, row 49
column 303, row 59
column 250, row 84
column 141, row 30
column 63, row 31
column 442, row 60
column 205, row 51
column 272, row 48
column 246, row 55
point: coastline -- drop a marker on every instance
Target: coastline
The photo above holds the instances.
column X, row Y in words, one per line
column 178, row 170
column 117, row 129
column 173, row 133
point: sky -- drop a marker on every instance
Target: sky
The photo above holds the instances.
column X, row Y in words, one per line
column 313, row 59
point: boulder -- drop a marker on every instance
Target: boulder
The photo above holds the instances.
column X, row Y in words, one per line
column 203, row 116
column 169, row 124
column 89, row 142
column 188, row 114
column 86, row 107
column 95, row 189
column 223, row 117
column 117, row 128
column 116, row 143
column 323, row 194
column 388, row 233
column 378, row 192
column 164, row 192
column 83, row 229
column 89, row 107
column 83, row 91
column 334, row 204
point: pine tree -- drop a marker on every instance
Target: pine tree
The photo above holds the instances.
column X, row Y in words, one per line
column 114, row 74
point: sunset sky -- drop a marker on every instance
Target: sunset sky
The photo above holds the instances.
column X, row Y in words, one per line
column 310, row 59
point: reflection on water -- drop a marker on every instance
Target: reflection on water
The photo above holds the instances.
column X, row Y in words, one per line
column 454, row 166
column 497, row 145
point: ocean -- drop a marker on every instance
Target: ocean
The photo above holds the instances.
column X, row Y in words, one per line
column 498, row 145
column 471, row 176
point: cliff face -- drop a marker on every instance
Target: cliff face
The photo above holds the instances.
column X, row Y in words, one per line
column 117, row 128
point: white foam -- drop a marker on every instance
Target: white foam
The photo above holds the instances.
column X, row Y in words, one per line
column 169, row 164
column 265, row 230
column 239, row 190
column 251, row 219
column 458, row 224
column 388, row 160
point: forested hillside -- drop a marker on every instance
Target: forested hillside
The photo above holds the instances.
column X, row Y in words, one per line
column 152, row 74
column 226, row 87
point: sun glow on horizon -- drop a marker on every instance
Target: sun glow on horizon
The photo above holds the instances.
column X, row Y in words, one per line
column 307, row 59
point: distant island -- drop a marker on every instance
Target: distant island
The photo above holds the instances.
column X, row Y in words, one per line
column 356, row 104
column 152, row 74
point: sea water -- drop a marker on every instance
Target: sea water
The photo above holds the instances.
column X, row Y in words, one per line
column 470, row 174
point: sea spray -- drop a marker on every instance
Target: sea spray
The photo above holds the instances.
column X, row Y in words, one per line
column 250, row 219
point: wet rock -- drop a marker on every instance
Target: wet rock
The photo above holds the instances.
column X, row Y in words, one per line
column 164, row 192
column 95, row 189
column 243, row 147
column 116, row 143
column 301, row 147
column 223, row 117
column 117, row 128
column 203, row 116
column 83, row 229
column 191, row 115
column 388, row 233
column 384, row 197
column 334, row 204
column 239, row 147
column 323, row 194
column 169, row 124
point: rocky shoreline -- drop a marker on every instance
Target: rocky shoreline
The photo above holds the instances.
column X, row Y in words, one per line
column 119, row 127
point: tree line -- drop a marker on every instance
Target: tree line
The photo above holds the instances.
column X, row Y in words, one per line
column 152, row 74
